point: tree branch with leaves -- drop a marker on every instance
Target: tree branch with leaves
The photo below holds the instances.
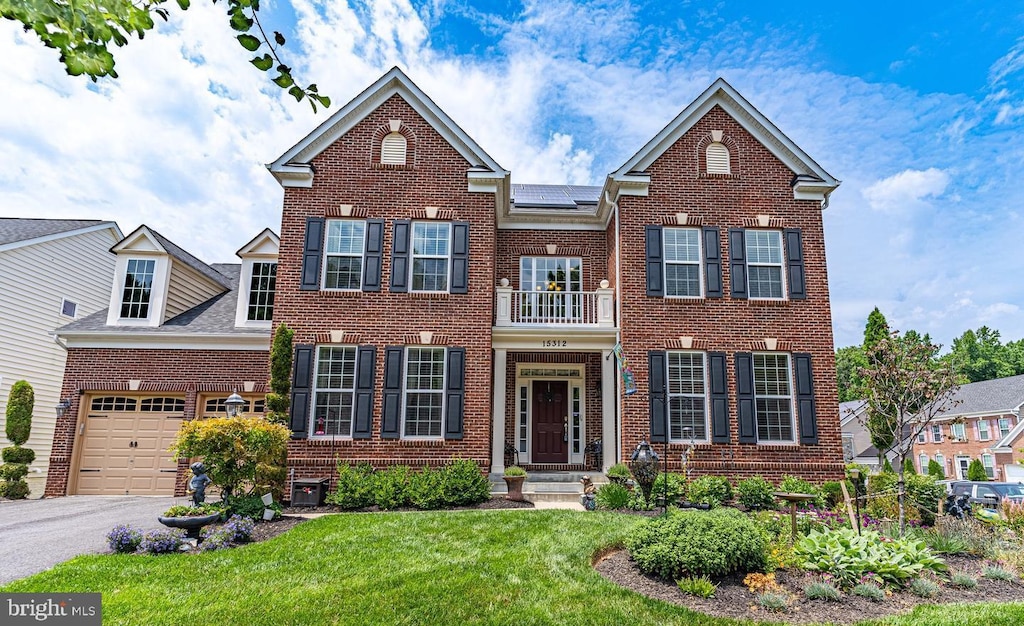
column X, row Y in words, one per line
column 83, row 31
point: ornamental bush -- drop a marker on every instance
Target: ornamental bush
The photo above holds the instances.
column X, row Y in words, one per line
column 463, row 484
column 698, row 543
column 124, row 539
column 354, row 489
column 162, row 541
column 935, row 469
column 976, row 471
column 671, row 486
column 612, row 496
column 18, row 428
column 756, row 493
column 793, row 484
column 425, row 490
column 711, row 490
column 391, row 487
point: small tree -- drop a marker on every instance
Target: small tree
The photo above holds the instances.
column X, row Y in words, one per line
column 976, row 471
column 20, row 403
column 935, row 469
column 906, row 389
column 887, row 466
column 908, row 467
column 278, row 400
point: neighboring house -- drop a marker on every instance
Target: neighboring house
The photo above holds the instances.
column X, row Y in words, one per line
column 51, row 272
column 857, row 446
column 986, row 424
column 176, row 338
column 441, row 311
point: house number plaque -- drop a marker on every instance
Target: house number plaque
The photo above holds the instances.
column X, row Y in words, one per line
column 554, row 343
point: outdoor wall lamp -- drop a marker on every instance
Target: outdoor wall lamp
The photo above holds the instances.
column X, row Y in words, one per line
column 233, row 405
column 62, row 407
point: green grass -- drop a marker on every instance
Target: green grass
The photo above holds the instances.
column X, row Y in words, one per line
column 474, row 567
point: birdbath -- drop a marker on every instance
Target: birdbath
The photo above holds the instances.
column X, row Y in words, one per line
column 793, row 499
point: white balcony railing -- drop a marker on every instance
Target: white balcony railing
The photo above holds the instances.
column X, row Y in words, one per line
column 555, row 308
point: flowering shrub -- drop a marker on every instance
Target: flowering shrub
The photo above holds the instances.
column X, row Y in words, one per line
column 1014, row 513
column 215, row 540
column 124, row 539
column 760, row 583
column 162, row 541
column 238, row 529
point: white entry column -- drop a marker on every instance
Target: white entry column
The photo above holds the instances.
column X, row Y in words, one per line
column 608, row 397
column 498, row 425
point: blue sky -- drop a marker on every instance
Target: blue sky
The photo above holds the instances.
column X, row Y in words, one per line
column 917, row 107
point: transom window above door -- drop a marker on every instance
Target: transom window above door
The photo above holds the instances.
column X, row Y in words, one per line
column 544, row 273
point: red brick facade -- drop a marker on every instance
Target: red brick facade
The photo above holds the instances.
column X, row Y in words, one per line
column 971, row 447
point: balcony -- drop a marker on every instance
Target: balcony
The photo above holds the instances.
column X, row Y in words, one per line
column 591, row 309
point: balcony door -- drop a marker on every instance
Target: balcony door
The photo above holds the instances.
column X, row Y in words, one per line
column 550, row 421
column 552, row 289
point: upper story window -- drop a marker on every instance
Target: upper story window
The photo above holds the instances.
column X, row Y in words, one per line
column 334, row 391
column 773, row 397
column 922, row 463
column 431, row 250
column 1004, row 426
column 957, row 431
column 262, row 286
column 687, row 397
column 343, row 254
column 682, row 262
column 551, row 274
column 717, row 159
column 138, row 287
column 424, row 392
column 937, row 433
column 68, row 308
column 983, row 433
column 764, row 264
column 393, row 149
column 921, row 437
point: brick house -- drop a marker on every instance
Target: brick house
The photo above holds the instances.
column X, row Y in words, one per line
column 441, row 311
column 177, row 338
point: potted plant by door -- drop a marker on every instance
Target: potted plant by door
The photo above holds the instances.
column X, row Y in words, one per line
column 514, row 478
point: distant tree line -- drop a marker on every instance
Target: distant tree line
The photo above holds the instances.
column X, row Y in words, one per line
column 975, row 355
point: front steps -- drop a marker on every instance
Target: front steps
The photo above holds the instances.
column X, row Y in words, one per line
column 550, row 486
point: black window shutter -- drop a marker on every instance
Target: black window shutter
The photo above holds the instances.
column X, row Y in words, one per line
column 745, row 397
column 302, row 382
column 655, row 262
column 719, row 397
column 366, row 361
column 737, row 264
column 400, row 257
column 312, row 252
column 455, row 393
column 373, row 255
column 795, row 262
column 460, row 258
column 391, row 427
column 805, row 409
column 712, row 262
column 657, row 369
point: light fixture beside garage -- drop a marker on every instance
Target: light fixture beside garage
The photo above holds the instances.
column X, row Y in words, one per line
column 233, row 405
column 62, row 407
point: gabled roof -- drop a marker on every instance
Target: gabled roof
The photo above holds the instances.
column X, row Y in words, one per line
column 159, row 243
column 1001, row 395
column 16, row 232
column 851, row 411
column 266, row 243
column 810, row 180
column 293, row 169
column 1007, row 442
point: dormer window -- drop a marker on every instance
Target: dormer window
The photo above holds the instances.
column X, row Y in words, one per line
column 392, row 149
column 257, row 281
column 138, row 287
column 261, row 292
column 717, row 159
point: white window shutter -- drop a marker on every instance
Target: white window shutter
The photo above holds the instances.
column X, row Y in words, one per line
column 392, row 149
column 718, row 159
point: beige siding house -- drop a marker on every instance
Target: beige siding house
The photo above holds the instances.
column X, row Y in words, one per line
column 52, row 272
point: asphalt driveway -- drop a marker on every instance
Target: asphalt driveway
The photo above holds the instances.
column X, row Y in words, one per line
column 35, row 535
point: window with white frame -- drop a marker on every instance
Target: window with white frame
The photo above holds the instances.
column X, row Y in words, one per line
column 262, row 286
column 424, row 392
column 431, row 251
column 764, row 264
column 989, row 462
column 682, row 262
column 941, row 460
column 334, row 391
column 547, row 273
column 773, row 397
column 983, row 432
column 921, row 437
column 957, row 431
column 937, row 433
column 687, row 397
column 343, row 254
column 138, row 287
column 1004, row 426
column 922, row 462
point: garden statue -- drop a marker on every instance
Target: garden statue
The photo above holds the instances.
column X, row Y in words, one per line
column 197, row 484
column 644, row 465
column 587, row 499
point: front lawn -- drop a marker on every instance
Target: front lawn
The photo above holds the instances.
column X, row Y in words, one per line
column 470, row 567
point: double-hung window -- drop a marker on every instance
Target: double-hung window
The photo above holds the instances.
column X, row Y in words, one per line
column 983, row 433
column 922, row 462
column 937, row 433
column 424, row 392
column 343, row 254
column 687, row 397
column 431, row 250
column 1004, row 426
column 138, row 288
column 773, row 397
column 262, row 285
column 765, row 264
column 334, row 391
column 957, row 431
column 989, row 463
column 921, row 437
column 682, row 262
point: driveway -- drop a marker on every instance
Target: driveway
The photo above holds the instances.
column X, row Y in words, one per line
column 35, row 535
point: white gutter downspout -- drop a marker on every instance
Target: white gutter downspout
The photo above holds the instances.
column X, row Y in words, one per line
column 618, row 321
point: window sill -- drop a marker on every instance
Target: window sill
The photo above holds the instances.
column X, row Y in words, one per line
column 421, row 443
column 430, row 295
column 320, row 440
column 341, row 293
column 767, row 302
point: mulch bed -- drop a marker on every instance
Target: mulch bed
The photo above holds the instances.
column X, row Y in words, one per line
column 733, row 600
column 499, row 502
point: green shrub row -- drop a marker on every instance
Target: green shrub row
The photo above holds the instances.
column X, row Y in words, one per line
column 460, row 483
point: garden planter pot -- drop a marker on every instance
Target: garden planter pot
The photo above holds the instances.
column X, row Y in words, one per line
column 515, row 487
column 192, row 525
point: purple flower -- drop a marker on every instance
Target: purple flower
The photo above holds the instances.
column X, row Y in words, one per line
column 123, row 538
column 162, row 541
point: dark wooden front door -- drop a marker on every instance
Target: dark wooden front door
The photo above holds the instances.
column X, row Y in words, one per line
column 550, row 412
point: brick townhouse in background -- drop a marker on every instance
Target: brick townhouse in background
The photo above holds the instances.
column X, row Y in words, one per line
column 441, row 311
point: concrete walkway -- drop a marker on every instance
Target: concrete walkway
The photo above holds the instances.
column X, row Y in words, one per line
column 35, row 535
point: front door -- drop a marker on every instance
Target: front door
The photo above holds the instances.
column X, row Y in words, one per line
column 963, row 462
column 550, row 421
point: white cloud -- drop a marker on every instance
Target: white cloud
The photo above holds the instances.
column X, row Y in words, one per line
column 907, row 190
